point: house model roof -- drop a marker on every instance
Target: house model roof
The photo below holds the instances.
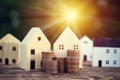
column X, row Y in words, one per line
column 67, row 34
column 33, row 31
column 85, row 38
column 106, row 43
column 9, row 38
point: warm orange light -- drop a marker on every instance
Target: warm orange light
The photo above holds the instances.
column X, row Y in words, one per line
column 70, row 15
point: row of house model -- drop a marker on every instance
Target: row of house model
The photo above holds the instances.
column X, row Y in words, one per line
column 29, row 54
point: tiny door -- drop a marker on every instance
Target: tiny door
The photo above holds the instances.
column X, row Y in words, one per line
column 32, row 64
column 99, row 63
column 85, row 58
column 6, row 61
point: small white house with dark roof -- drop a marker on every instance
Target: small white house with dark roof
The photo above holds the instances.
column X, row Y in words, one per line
column 32, row 45
column 86, row 48
column 10, row 50
column 106, row 53
column 66, row 41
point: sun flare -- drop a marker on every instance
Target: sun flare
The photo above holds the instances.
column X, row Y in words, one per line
column 70, row 15
column 55, row 15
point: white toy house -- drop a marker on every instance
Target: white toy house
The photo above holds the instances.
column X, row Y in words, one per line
column 67, row 40
column 9, row 50
column 32, row 45
column 86, row 48
column 106, row 53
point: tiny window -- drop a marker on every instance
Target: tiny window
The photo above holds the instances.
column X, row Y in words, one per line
column 115, row 50
column 114, row 62
column 39, row 38
column 0, row 47
column 14, row 48
column 91, row 56
column 75, row 47
column 13, row 61
column 107, row 51
column 61, row 47
column 85, row 42
column 33, row 52
column 107, row 61
column 0, row 60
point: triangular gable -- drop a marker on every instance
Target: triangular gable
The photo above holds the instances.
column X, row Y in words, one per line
column 9, row 38
column 31, row 33
column 67, row 33
column 85, row 38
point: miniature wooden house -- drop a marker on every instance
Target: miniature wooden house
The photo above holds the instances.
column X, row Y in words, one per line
column 86, row 48
column 106, row 53
column 10, row 50
column 66, row 41
column 32, row 45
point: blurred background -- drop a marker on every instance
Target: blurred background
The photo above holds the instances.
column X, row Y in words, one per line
column 96, row 18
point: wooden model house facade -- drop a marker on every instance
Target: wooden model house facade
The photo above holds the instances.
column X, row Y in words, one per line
column 10, row 50
column 106, row 53
column 86, row 48
column 32, row 45
column 67, row 41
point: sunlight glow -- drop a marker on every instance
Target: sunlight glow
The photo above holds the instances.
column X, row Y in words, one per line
column 77, row 14
column 70, row 15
